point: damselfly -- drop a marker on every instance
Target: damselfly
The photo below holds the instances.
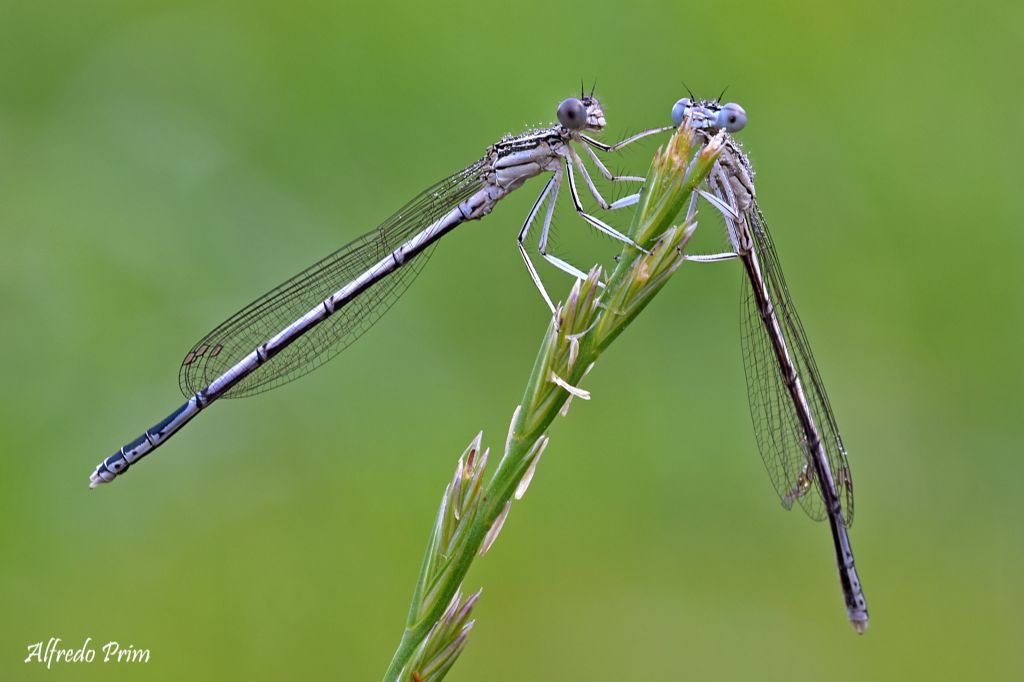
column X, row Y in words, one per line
column 302, row 323
column 794, row 425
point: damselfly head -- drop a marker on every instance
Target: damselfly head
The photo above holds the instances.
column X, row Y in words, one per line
column 710, row 115
column 581, row 114
column 595, row 113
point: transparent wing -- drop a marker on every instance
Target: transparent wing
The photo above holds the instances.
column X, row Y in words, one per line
column 257, row 322
column 780, row 437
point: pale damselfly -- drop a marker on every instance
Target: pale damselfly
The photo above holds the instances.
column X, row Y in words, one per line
column 794, row 425
column 305, row 321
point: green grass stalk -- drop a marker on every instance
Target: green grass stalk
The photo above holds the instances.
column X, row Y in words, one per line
column 591, row 318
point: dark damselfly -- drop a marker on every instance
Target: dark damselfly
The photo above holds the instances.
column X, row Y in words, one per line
column 795, row 428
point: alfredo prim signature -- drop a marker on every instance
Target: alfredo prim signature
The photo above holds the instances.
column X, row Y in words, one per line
column 52, row 652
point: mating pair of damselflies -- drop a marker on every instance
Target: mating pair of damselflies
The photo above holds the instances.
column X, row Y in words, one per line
column 310, row 318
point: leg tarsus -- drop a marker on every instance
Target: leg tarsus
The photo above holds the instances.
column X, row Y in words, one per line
column 710, row 257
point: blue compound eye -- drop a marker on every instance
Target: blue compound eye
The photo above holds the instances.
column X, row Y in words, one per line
column 679, row 111
column 572, row 113
column 731, row 118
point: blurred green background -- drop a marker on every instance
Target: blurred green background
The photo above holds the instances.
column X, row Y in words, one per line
column 163, row 163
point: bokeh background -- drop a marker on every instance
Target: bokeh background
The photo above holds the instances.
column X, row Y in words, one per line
column 162, row 163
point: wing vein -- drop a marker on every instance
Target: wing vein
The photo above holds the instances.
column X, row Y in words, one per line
column 257, row 322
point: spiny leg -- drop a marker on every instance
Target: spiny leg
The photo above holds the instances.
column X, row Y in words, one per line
column 590, row 144
column 578, row 163
column 552, row 188
column 600, row 225
column 546, row 229
column 623, row 202
column 604, row 169
column 624, row 143
column 552, row 183
column 726, row 212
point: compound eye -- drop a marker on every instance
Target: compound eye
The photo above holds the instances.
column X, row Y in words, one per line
column 731, row 118
column 679, row 111
column 572, row 114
